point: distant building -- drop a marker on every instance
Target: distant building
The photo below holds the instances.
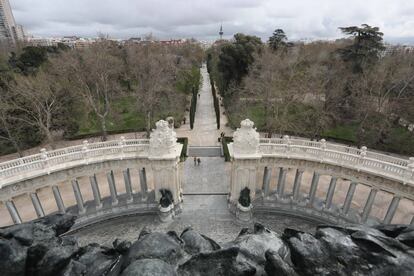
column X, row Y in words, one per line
column 19, row 33
column 135, row 40
column 172, row 42
column 9, row 30
column 391, row 49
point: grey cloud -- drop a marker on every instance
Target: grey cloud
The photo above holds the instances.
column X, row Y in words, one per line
column 201, row 18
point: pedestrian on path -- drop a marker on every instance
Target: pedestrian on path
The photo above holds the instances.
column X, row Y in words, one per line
column 195, row 161
column 198, row 161
column 199, row 95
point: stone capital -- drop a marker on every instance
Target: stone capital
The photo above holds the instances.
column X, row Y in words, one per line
column 163, row 142
column 246, row 141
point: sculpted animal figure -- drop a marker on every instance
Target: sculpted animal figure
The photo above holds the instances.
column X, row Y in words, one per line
column 166, row 198
column 244, row 198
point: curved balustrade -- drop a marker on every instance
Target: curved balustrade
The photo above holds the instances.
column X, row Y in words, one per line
column 398, row 169
column 60, row 159
column 69, row 167
column 367, row 173
column 314, row 198
column 90, row 204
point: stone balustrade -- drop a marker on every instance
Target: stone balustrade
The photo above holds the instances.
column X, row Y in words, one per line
column 158, row 156
column 47, row 162
column 386, row 166
column 254, row 159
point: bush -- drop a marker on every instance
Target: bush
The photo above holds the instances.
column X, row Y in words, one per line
column 216, row 103
column 193, row 107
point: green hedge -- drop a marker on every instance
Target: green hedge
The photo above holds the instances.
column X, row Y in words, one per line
column 216, row 103
column 224, row 142
column 184, row 141
column 193, row 107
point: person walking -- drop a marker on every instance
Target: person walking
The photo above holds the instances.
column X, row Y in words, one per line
column 195, row 161
column 198, row 161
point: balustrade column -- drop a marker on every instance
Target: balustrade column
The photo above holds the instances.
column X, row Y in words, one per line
column 128, row 187
column 78, row 196
column 281, row 182
column 58, row 199
column 266, row 180
column 296, row 185
column 37, row 205
column 348, row 199
column 368, row 205
column 143, row 182
column 96, row 192
column 330, row 193
column 112, row 187
column 392, row 209
column 313, row 188
column 13, row 212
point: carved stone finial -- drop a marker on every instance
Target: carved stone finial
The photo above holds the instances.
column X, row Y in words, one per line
column 162, row 139
column 246, row 139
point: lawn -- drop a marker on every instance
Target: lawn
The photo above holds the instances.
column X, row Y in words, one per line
column 342, row 132
column 123, row 117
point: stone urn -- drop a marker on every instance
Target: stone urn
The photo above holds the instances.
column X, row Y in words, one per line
column 244, row 214
column 166, row 213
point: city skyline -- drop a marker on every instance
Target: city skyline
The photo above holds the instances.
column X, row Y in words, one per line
column 318, row 19
column 9, row 29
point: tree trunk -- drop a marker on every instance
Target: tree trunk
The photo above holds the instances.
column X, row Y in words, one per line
column 14, row 142
column 148, row 124
column 49, row 138
column 103, row 127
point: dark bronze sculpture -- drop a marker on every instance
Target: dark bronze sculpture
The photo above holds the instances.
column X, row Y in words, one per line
column 166, row 198
column 244, row 198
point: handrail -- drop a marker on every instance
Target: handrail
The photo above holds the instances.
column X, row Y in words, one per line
column 48, row 160
column 360, row 159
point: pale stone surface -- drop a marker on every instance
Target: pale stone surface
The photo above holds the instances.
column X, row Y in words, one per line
column 211, row 176
column 163, row 141
column 246, row 140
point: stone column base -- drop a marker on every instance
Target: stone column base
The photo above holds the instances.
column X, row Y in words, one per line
column 166, row 214
column 244, row 214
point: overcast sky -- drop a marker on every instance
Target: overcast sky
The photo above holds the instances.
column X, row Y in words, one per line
column 301, row 19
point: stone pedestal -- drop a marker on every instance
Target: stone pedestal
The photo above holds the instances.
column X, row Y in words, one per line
column 244, row 214
column 246, row 155
column 164, row 154
column 166, row 213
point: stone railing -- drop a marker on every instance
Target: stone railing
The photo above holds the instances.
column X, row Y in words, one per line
column 157, row 157
column 46, row 162
column 398, row 169
column 255, row 159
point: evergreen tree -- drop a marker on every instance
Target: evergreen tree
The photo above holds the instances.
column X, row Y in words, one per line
column 278, row 40
column 366, row 47
column 235, row 58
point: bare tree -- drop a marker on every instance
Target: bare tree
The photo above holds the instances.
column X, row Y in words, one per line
column 6, row 127
column 279, row 82
column 152, row 71
column 94, row 73
column 36, row 101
